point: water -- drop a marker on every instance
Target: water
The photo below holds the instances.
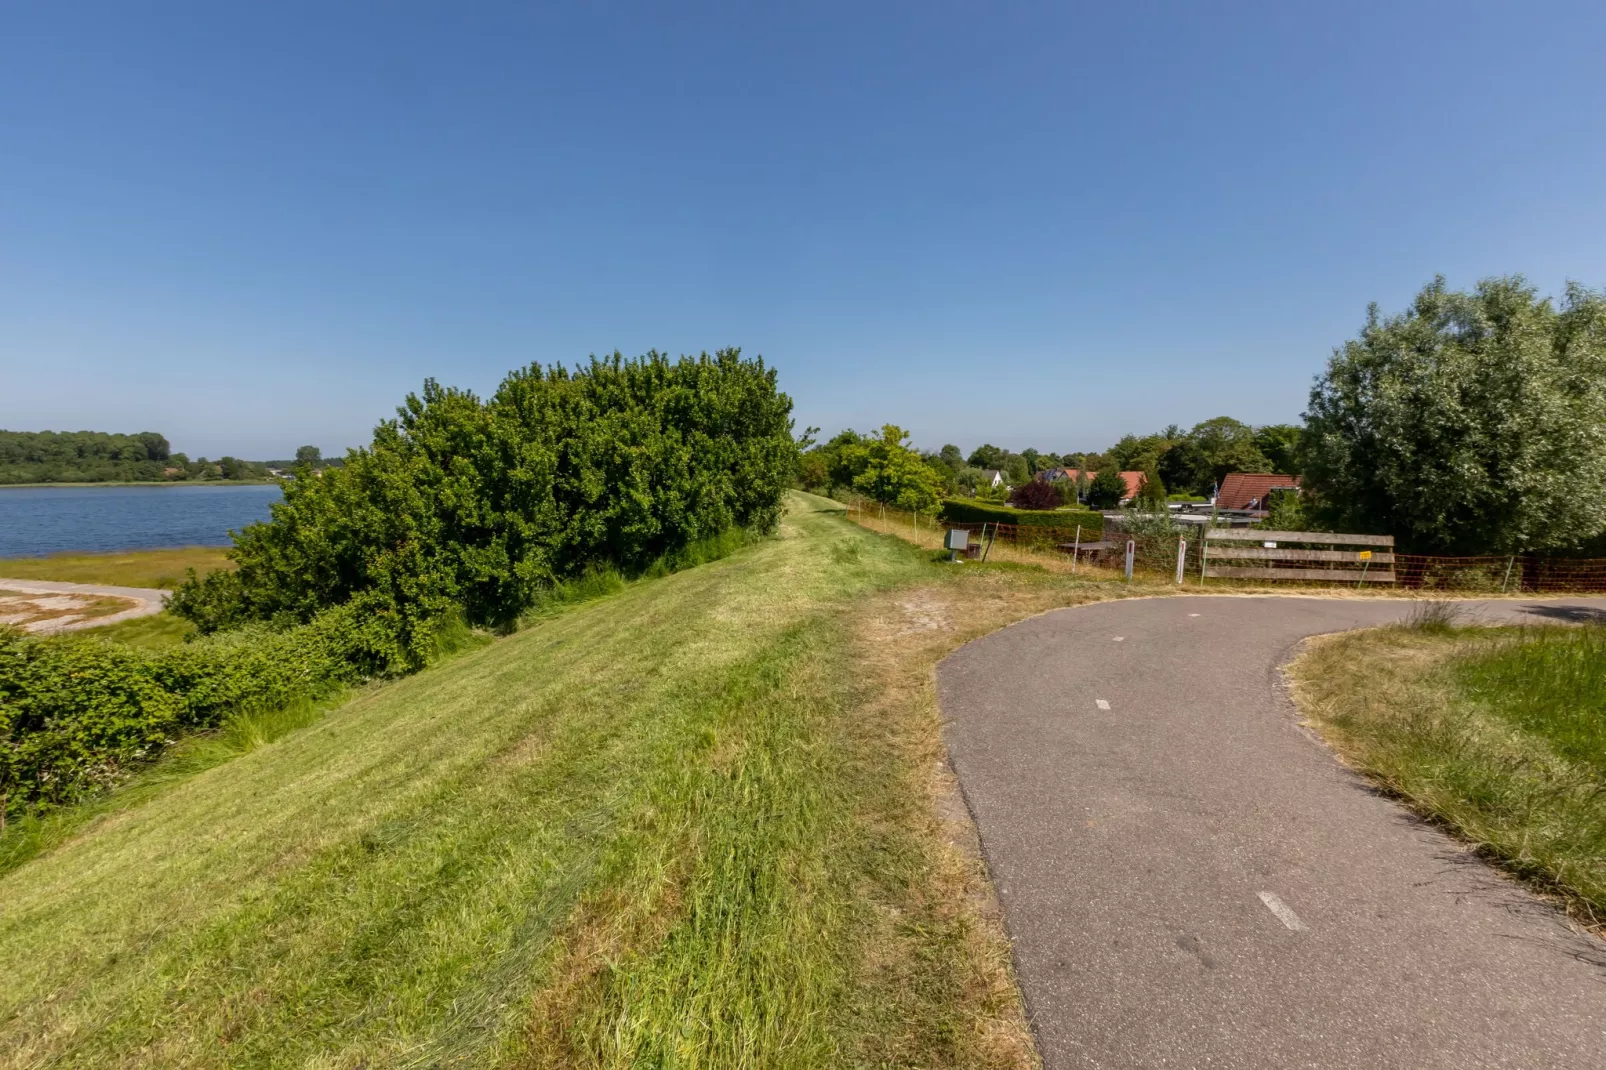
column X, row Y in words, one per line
column 49, row 520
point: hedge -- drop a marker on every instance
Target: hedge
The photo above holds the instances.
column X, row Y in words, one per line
column 77, row 712
column 960, row 511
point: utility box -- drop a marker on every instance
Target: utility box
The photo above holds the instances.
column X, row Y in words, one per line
column 958, row 539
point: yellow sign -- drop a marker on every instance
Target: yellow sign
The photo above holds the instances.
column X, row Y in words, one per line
column 1365, row 555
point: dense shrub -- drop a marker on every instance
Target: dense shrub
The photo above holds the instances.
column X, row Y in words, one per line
column 482, row 505
column 76, row 712
column 961, row 511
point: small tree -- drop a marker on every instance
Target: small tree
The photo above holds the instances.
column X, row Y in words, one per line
column 1034, row 494
column 992, row 492
column 1285, row 511
column 1106, row 490
column 886, row 470
column 308, row 455
column 1151, row 492
column 1083, row 482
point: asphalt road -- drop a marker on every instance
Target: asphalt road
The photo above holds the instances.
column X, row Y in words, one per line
column 1190, row 879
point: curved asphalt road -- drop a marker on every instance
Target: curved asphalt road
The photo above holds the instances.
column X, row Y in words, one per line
column 1190, row 879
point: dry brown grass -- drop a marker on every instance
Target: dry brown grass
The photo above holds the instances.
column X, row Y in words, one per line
column 899, row 640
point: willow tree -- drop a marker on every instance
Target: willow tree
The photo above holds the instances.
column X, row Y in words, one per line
column 1473, row 422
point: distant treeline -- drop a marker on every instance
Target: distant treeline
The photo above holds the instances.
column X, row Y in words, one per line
column 99, row 457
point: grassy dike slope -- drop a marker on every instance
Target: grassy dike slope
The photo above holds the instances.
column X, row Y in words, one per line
column 682, row 826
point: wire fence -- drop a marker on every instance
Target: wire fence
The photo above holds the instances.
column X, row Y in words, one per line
column 1101, row 553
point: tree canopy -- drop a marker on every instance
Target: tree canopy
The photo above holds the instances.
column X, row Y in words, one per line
column 98, row 457
column 886, row 470
column 1472, row 422
column 1107, row 489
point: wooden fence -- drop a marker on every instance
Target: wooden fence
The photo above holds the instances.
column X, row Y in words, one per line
column 1273, row 560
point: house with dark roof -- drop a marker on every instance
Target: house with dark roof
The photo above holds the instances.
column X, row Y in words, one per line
column 1252, row 490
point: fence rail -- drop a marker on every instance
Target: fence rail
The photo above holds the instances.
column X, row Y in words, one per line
column 1316, row 563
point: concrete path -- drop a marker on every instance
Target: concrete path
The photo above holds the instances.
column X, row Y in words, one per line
column 1190, row 878
column 144, row 602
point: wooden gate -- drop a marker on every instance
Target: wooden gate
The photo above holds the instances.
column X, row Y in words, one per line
column 1306, row 560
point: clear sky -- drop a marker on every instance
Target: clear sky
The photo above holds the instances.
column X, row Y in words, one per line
column 256, row 225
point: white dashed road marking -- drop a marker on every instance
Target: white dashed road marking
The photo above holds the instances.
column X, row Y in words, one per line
column 1118, row 638
column 1284, row 913
column 1193, row 614
column 1102, row 703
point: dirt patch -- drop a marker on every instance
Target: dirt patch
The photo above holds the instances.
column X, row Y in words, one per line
column 54, row 611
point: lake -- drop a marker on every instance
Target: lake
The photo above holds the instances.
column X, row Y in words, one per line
column 49, row 520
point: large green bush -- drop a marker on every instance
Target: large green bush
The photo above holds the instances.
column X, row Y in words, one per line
column 482, row 506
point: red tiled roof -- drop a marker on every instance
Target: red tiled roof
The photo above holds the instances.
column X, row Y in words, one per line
column 1134, row 481
column 1238, row 489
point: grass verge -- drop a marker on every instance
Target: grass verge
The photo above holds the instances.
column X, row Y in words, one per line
column 688, row 823
column 1498, row 734
column 155, row 632
column 132, row 568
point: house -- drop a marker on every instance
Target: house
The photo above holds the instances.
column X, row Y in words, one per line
column 1252, row 490
column 1134, row 481
column 991, row 477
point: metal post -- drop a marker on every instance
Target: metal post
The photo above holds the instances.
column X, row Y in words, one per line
column 1511, row 561
column 1131, row 547
column 1204, row 552
column 1076, row 548
column 1182, row 557
column 989, row 547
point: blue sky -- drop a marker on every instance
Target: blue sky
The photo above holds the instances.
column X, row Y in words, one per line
column 256, row 225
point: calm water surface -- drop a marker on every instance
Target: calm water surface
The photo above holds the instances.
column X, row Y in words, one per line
column 49, row 520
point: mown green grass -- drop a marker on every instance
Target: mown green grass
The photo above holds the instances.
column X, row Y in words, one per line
column 155, row 632
column 647, row 831
column 1500, row 734
column 129, row 568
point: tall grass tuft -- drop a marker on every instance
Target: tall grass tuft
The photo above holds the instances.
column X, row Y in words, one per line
column 1434, row 617
column 1550, row 682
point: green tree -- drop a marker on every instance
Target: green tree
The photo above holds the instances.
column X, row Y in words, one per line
column 1107, row 489
column 1229, row 446
column 1186, row 468
column 1472, row 422
column 886, row 470
column 1017, row 469
column 814, row 471
column 987, row 456
column 1151, row 491
column 1279, row 444
column 308, row 455
column 1135, row 453
column 952, row 457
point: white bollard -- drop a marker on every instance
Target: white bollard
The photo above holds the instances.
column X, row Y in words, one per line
column 1131, row 547
column 1182, row 556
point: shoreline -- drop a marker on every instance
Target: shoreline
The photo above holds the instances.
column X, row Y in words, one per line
column 152, row 483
